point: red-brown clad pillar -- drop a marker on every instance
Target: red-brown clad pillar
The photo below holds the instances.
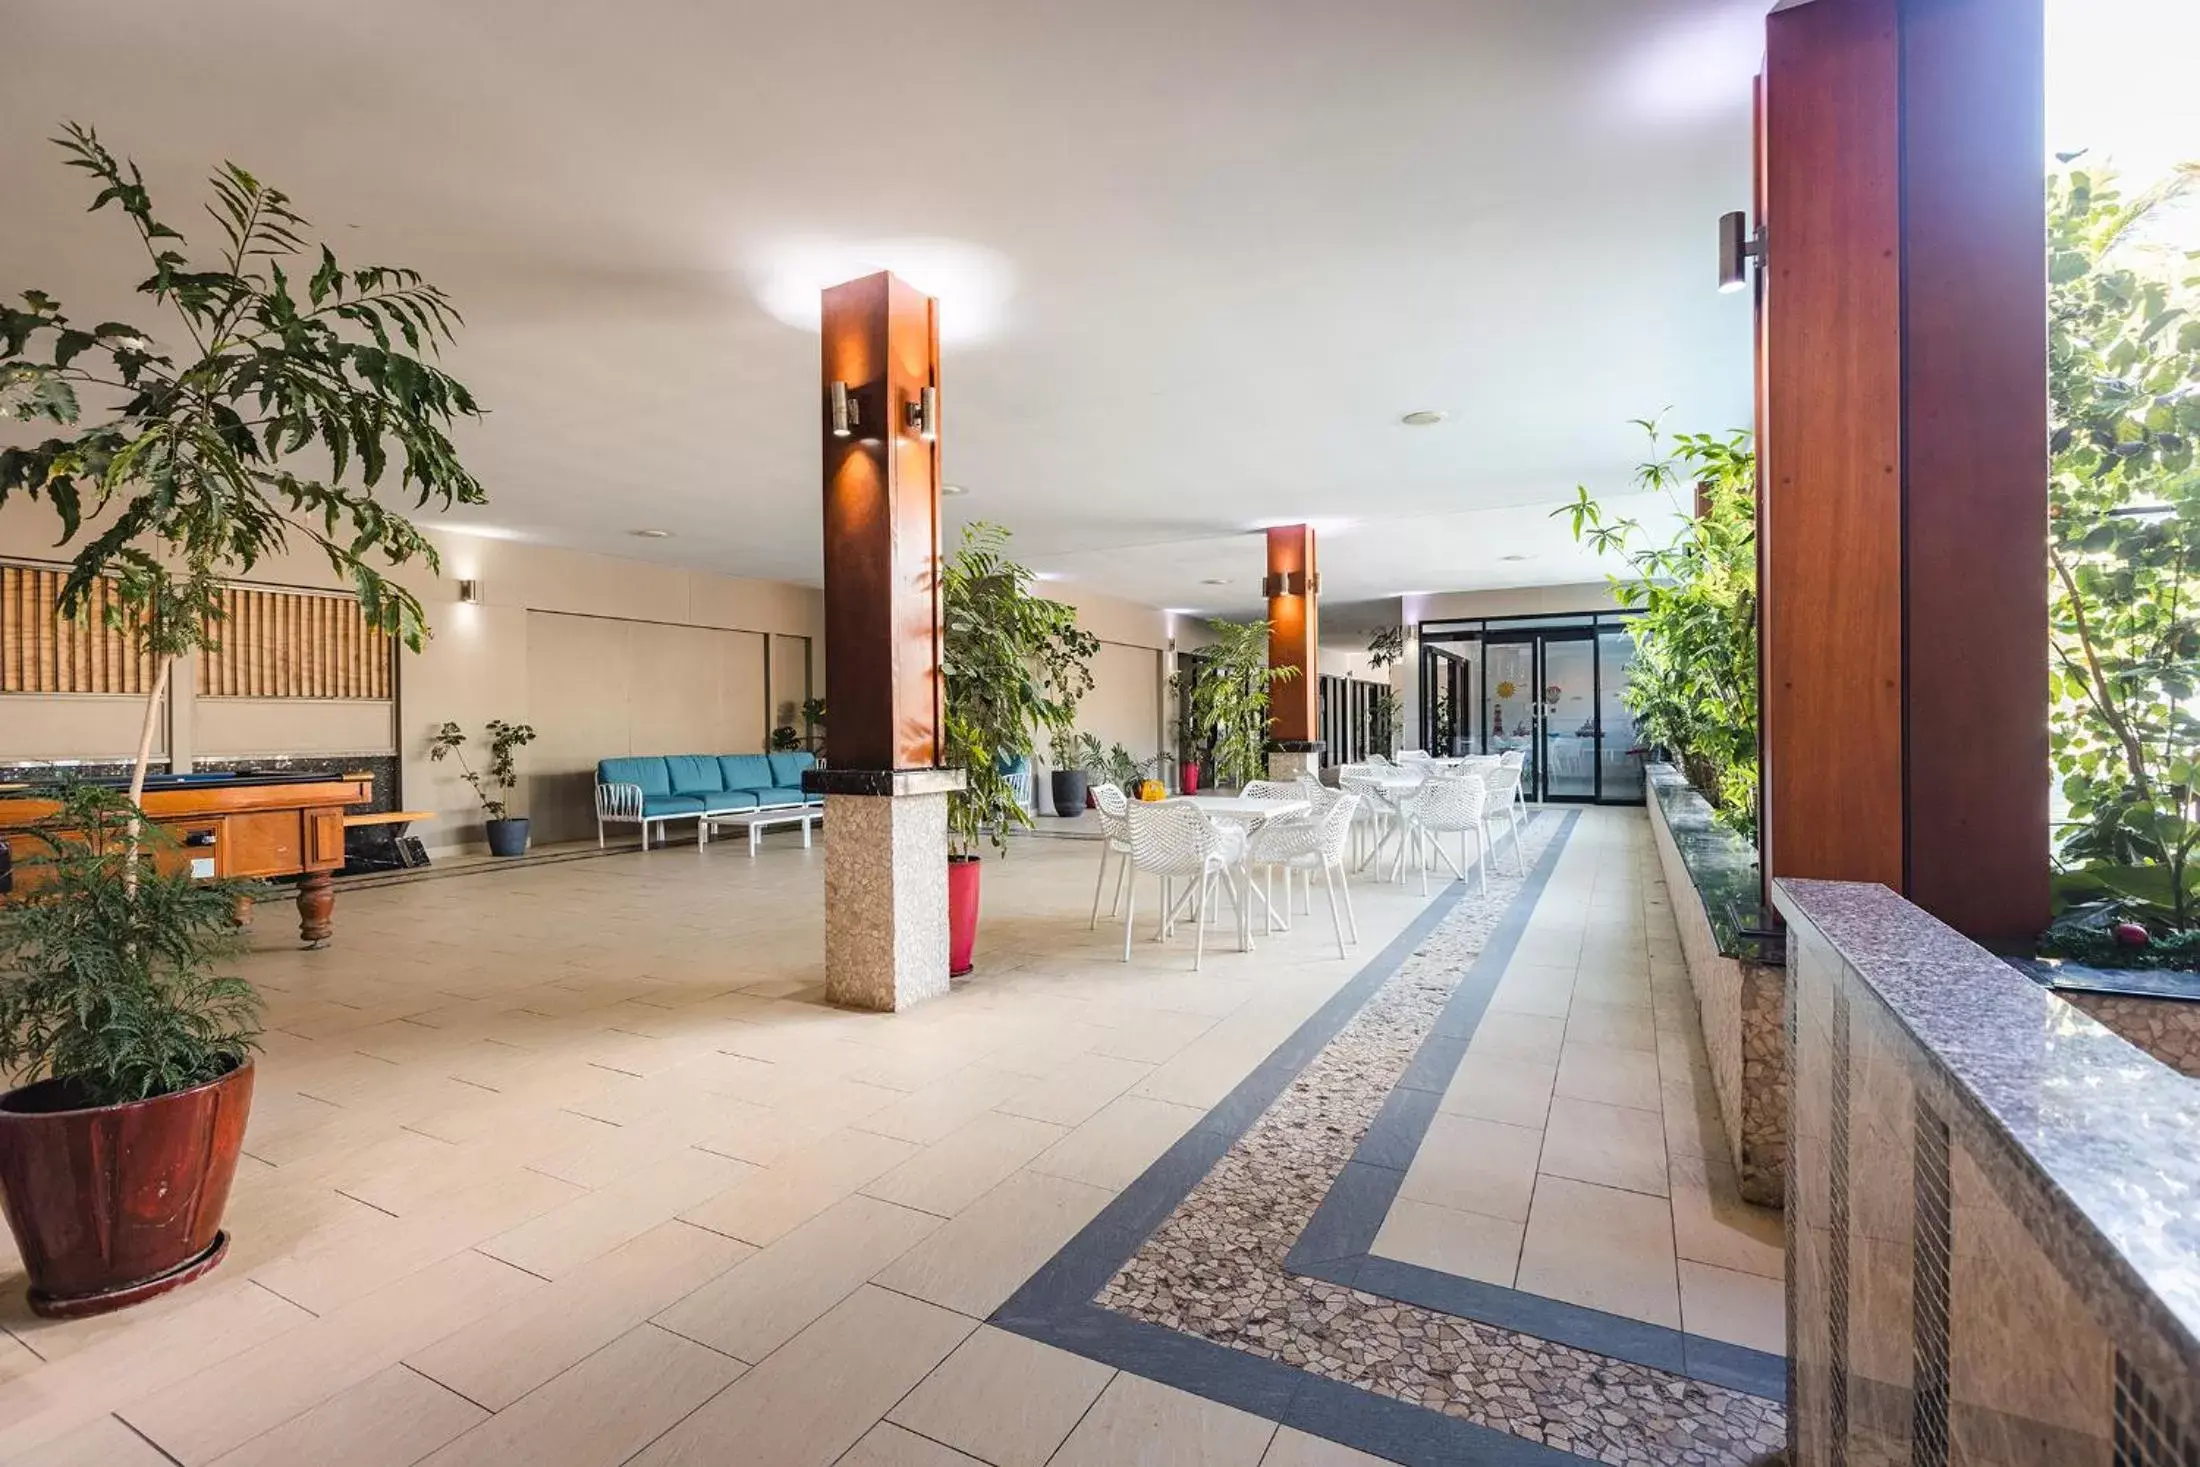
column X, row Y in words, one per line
column 1293, row 589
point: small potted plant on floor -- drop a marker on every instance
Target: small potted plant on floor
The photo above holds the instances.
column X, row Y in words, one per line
column 1074, row 756
column 1013, row 662
column 507, row 833
column 132, row 1056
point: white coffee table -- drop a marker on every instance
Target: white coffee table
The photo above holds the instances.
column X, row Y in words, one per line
column 759, row 820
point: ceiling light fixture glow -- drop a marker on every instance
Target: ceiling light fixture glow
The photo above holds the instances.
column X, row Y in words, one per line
column 1216, row 581
column 1424, row 418
column 972, row 283
column 953, row 490
column 651, row 534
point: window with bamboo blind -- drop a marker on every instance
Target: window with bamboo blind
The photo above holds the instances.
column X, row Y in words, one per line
column 272, row 644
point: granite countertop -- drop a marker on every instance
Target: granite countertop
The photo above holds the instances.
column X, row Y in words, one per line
column 1722, row 864
column 2106, row 1129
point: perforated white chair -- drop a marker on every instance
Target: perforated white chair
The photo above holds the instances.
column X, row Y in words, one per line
column 1517, row 760
column 1371, row 823
column 1414, row 756
column 1174, row 840
column 1451, row 806
column 1115, row 840
column 1503, row 783
column 1317, row 841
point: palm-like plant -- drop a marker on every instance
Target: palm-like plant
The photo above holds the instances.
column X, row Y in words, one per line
column 1227, row 700
column 187, row 474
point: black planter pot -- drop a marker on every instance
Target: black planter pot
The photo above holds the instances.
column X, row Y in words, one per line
column 1069, row 791
column 508, row 837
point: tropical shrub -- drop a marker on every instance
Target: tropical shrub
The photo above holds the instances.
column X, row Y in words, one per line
column 2124, row 544
column 1693, row 688
column 1226, row 704
column 491, row 784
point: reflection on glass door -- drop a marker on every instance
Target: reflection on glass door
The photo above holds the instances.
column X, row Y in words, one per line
column 1622, row 767
column 1511, row 709
column 1569, row 718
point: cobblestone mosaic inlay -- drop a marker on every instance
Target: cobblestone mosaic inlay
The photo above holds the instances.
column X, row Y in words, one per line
column 1215, row 1269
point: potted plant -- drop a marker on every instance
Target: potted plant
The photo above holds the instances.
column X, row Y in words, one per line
column 507, row 833
column 1074, row 756
column 785, row 740
column 132, row 1057
column 1227, row 701
column 813, row 724
column 1012, row 662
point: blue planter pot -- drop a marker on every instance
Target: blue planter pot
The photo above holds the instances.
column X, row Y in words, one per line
column 508, row 837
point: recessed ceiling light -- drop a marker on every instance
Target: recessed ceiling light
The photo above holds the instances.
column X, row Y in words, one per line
column 953, row 489
column 651, row 534
column 1216, row 581
column 1424, row 418
column 1512, row 557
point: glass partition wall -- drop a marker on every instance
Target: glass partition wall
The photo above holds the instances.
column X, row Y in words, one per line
column 1549, row 686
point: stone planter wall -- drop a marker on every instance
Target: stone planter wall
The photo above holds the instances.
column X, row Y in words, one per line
column 1741, row 1003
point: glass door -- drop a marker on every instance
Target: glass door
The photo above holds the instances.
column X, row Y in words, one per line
column 1512, row 713
column 1568, row 716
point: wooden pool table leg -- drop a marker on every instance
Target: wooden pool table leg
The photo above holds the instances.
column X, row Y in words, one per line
column 316, row 906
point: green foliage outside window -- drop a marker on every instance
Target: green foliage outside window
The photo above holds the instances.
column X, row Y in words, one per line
column 1693, row 688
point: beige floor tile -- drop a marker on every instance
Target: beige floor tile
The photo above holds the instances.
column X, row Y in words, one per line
column 15, row 1356
column 1712, row 1224
column 1611, row 1145
column 497, row 1360
column 1115, row 1146
column 1293, row 1448
column 976, row 1261
column 888, row 1445
column 1074, row 1093
column 1003, row 1398
column 603, row 1410
column 1153, row 1425
column 104, row 1441
column 1739, row 1308
column 1601, row 1248
column 1468, row 1245
column 393, row 1418
column 1515, row 1092
column 753, row 1309
column 1528, row 989
column 1475, row 1166
column 590, row 1226
column 823, row 1391
column 947, row 1104
column 1608, row 1074
column 1617, row 1025
column 949, row 1175
column 765, row 1206
column 222, row 1407
column 1529, row 1038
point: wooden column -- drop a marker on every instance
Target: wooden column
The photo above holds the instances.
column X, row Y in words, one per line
column 885, row 796
column 1293, row 589
column 1903, row 441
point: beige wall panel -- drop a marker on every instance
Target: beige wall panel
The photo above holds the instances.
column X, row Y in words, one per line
column 790, row 679
column 474, row 669
column 1125, row 703
column 231, row 728
column 36, row 726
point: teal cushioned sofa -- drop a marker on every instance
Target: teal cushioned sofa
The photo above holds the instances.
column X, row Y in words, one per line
column 652, row 789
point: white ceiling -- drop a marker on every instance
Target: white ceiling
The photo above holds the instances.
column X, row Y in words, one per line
column 1213, row 250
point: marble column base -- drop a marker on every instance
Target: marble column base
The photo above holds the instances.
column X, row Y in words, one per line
column 1291, row 763
column 885, row 899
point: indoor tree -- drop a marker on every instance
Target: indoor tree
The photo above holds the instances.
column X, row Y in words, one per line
column 1014, row 663
column 2124, row 540
column 284, row 394
column 1693, row 687
column 1227, row 701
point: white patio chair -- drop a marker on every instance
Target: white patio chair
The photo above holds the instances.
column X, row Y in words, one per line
column 1372, row 824
column 1273, row 789
column 1414, row 756
column 1455, row 806
column 1115, row 840
column 1175, row 841
column 1517, row 760
column 1503, row 783
column 1317, row 841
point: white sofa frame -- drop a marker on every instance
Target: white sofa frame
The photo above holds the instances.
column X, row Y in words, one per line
column 621, row 804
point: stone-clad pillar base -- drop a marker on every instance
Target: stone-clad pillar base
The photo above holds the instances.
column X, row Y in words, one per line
column 885, row 885
column 1289, row 761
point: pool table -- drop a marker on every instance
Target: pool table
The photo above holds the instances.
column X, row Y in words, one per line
column 242, row 823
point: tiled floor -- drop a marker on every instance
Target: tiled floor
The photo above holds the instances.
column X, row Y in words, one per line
column 569, row 1166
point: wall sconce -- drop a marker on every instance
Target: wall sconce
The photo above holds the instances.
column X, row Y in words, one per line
column 847, row 410
column 923, row 415
column 1291, row 583
column 469, row 593
column 1737, row 247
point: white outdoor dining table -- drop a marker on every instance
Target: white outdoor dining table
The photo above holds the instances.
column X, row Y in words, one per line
column 1250, row 812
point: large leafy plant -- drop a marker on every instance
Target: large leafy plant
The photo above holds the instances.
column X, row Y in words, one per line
column 1693, row 688
column 110, row 986
column 273, row 402
column 1015, row 664
column 2124, row 541
column 1226, row 704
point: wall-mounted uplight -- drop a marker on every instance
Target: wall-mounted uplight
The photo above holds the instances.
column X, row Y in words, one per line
column 847, row 411
column 1291, row 583
column 469, row 593
column 923, row 415
column 1737, row 247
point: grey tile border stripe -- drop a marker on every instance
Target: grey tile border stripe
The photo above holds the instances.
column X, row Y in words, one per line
column 1054, row 1306
column 1337, row 1242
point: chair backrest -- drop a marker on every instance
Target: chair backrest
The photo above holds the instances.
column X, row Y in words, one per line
column 1453, row 804
column 1501, row 780
column 1377, row 760
column 1273, row 789
column 1512, row 758
column 1114, row 808
column 1414, row 756
column 1336, row 821
column 1169, row 837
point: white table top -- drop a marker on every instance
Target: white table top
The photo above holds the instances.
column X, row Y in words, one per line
column 1241, row 807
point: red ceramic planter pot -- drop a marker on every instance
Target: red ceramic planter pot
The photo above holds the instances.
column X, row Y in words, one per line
column 114, row 1204
column 1188, row 778
column 962, row 913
